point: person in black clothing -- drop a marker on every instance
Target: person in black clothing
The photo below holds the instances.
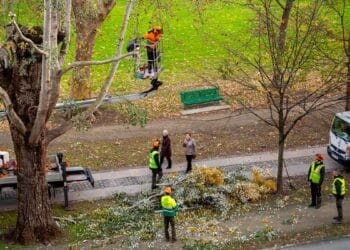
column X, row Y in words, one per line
column 316, row 177
column 154, row 164
column 338, row 190
column 165, row 151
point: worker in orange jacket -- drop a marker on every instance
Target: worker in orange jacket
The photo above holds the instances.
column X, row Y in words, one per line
column 153, row 37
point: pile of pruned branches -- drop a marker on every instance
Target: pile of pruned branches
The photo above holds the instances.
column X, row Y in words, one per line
column 132, row 217
column 210, row 187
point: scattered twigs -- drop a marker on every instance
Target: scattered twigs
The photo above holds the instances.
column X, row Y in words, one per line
column 13, row 21
column 62, row 219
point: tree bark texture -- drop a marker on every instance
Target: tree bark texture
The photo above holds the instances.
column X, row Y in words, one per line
column 347, row 103
column 34, row 217
column 280, row 160
column 22, row 81
column 88, row 18
column 279, row 83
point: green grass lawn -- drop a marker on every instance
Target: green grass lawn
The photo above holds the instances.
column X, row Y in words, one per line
column 189, row 47
column 193, row 44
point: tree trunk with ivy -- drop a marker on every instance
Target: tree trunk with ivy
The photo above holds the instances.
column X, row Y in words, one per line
column 89, row 15
column 21, row 79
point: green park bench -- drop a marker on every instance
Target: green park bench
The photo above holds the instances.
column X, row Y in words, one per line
column 200, row 96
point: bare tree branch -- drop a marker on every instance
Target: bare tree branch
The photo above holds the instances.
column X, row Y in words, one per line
column 13, row 21
column 43, row 106
column 66, row 41
column 12, row 115
column 115, row 65
column 56, row 132
column 280, row 4
column 88, row 63
column 313, row 107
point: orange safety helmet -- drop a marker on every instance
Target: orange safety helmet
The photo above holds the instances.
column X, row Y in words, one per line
column 157, row 29
column 155, row 143
column 167, row 190
column 319, row 157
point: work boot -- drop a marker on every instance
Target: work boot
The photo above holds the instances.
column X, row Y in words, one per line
column 339, row 221
column 318, row 203
column 154, row 82
column 336, row 218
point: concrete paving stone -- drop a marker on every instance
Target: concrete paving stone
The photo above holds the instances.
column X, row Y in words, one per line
column 132, row 181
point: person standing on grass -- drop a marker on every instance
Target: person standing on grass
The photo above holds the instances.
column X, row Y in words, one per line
column 154, row 163
column 165, row 151
column 190, row 150
column 169, row 208
column 316, row 177
column 338, row 190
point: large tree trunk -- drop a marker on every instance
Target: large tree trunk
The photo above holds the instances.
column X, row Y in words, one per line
column 34, row 217
column 22, row 82
column 89, row 15
column 347, row 103
column 346, row 44
column 81, row 80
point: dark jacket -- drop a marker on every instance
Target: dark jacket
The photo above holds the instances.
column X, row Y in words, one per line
column 166, row 147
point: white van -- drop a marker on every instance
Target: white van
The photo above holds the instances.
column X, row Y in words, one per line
column 339, row 138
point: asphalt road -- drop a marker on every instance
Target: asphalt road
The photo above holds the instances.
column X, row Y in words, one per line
column 334, row 244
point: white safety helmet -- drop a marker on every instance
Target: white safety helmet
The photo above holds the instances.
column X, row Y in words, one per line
column 165, row 132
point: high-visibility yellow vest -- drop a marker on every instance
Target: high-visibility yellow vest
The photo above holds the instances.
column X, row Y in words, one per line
column 342, row 189
column 152, row 161
column 169, row 206
column 315, row 175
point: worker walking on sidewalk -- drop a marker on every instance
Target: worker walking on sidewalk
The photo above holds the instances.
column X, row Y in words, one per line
column 338, row 190
column 154, row 163
column 169, row 208
column 316, row 177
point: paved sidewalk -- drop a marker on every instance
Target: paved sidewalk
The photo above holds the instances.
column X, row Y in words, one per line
column 132, row 181
column 336, row 244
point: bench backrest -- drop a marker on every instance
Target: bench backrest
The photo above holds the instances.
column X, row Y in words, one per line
column 200, row 96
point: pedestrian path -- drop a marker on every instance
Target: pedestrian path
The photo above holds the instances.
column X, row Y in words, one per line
column 135, row 180
column 336, row 243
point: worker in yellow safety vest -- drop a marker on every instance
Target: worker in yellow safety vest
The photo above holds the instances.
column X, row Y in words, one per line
column 154, row 163
column 338, row 190
column 169, row 208
column 315, row 177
